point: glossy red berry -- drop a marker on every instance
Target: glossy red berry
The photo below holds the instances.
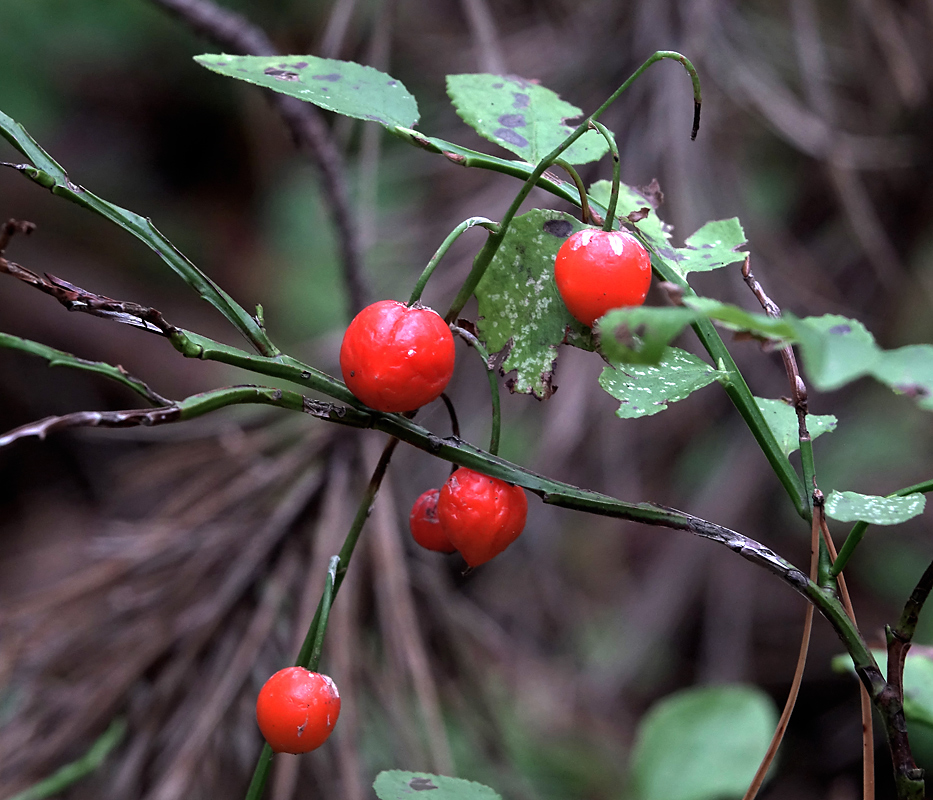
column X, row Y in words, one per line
column 596, row 271
column 297, row 710
column 395, row 357
column 426, row 528
column 481, row 515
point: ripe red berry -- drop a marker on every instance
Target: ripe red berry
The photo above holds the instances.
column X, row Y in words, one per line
column 297, row 710
column 426, row 528
column 596, row 271
column 395, row 357
column 481, row 515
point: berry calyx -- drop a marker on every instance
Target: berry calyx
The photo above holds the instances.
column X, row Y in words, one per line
column 297, row 710
column 396, row 357
column 597, row 271
column 426, row 528
column 481, row 515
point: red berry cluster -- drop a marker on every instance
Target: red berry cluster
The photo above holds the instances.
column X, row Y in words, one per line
column 477, row 515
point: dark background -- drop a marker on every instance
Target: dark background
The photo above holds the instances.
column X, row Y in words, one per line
column 162, row 575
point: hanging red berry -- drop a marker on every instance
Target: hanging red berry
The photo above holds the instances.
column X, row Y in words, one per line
column 426, row 528
column 396, row 357
column 297, row 710
column 480, row 515
column 596, row 271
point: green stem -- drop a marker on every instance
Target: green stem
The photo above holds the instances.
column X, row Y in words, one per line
column 493, row 387
column 616, row 176
column 858, row 530
column 310, row 654
column 46, row 172
column 76, row 770
column 261, row 774
column 59, row 358
column 422, row 281
column 581, row 189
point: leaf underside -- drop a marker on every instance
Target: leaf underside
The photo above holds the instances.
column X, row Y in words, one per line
column 854, row 507
column 397, row 784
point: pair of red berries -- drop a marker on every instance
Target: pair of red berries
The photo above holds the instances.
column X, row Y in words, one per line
column 297, row 710
column 472, row 513
column 397, row 358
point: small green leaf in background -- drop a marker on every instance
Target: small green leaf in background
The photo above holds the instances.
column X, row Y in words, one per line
column 645, row 390
column 702, row 744
column 713, row 246
column 519, row 305
column 918, row 680
column 399, row 785
column 782, row 419
column 853, row 507
column 522, row 117
column 350, row 89
column 640, row 335
column 908, row 370
column 836, row 350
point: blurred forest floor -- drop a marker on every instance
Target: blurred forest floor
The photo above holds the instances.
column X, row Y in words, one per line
column 162, row 575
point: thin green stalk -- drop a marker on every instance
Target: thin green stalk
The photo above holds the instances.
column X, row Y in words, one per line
column 493, row 387
column 46, row 172
column 59, row 358
column 581, row 189
column 422, row 281
column 261, row 774
column 309, row 656
column 858, row 530
column 616, row 175
column 71, row 773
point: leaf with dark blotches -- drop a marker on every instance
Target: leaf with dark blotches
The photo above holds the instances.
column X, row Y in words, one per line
column 353, row 90
column 519, row 306
column 396, row 784
column 522, row 117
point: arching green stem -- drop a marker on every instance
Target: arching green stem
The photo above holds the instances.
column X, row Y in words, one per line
column 493, row 387
column 616, row 175
column 858, row 530
column 581, row 188
column 488, row 224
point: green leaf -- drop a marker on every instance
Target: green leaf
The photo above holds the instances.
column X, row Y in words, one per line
column 645, row 390
column 702, row 744
column 782, row 419
column 521, row 116
column 836, row 350
column 519, row 306
column 853, row 507
column 735, row 318
column 908, row 370
column 348, row 88
column 399, row 785
column 656, row 231
column 918, row 681
column 640, row 334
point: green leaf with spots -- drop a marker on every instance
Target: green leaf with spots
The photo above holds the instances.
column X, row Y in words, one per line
column 854, row 507
column 643, row 390
column 520, row 310
column 350, row 89
column 702, row 744
column 715, row 245
column 738, row 319
column 836, row 350
column 782, row 419
column 522, row 117
column 395, row 784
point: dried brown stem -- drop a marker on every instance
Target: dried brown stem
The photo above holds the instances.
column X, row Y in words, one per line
column 236, row 34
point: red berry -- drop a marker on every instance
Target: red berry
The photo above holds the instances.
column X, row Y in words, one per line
column 395, row 357
column 426, row 528
column 481, row 515
column 297, row 710
column 599, row 270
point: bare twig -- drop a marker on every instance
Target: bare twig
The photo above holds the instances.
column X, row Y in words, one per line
column 237, row 34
